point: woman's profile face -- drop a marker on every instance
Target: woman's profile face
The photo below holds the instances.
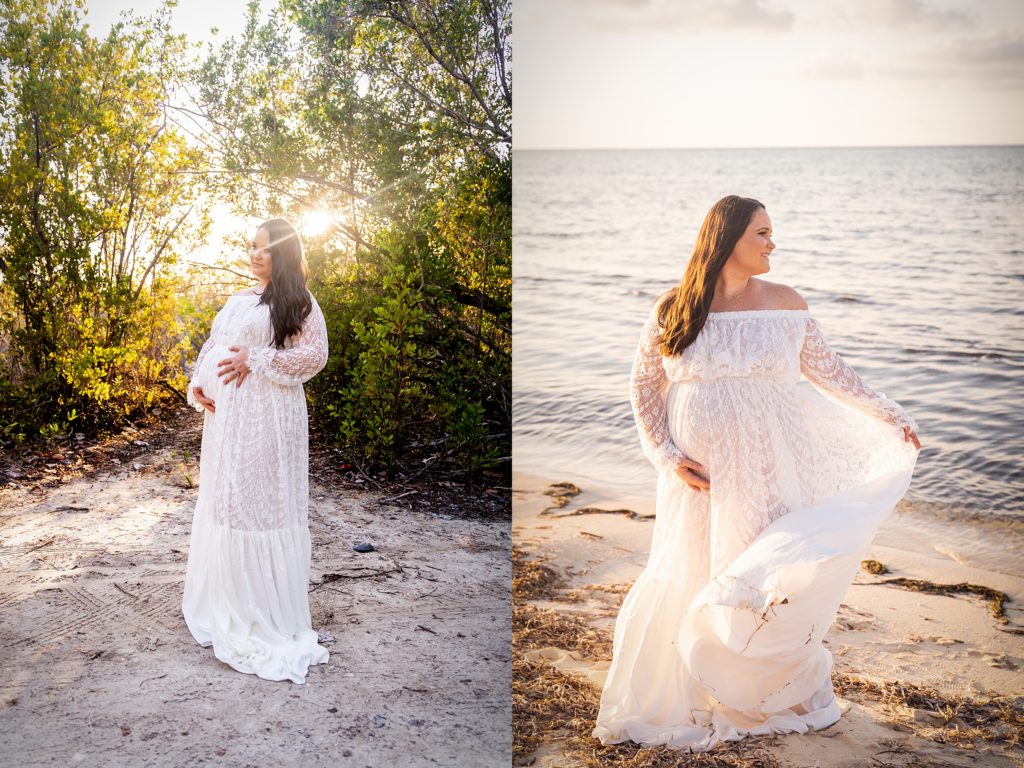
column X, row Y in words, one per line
column 259, row 255
column 755, row 246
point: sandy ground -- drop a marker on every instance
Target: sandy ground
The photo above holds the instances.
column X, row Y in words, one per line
column 99, row 669
column 882, row 633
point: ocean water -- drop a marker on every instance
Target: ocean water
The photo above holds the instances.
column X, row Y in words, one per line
column 912, row 259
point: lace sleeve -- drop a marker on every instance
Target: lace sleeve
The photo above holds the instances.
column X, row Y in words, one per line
column 827, row 371
column 195, row 369
column 300, row 362
column 648, row 387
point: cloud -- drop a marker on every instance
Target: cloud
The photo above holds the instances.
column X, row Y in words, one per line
column 995, row 62
column 1006, row 53
column 986, row 62
column 684, row 15
column 749, row 14
column 906, row 14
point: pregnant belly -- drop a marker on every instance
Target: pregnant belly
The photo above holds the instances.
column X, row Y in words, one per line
column 707, row 415
column 256, row 397
column 206, row 376
column 226, row 394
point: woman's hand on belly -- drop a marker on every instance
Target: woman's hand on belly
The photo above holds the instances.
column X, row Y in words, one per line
column 234, row 369
column 203, row 400
column 693, row 474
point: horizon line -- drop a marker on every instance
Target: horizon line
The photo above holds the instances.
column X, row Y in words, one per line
column 820, row 146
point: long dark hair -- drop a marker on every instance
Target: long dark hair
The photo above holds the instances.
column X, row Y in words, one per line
column 286, row 293
column 684, row 310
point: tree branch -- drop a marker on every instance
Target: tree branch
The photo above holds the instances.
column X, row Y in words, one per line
column 409, row 23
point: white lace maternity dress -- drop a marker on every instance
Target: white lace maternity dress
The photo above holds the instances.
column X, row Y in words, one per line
column 721, row 636
column 246, row 587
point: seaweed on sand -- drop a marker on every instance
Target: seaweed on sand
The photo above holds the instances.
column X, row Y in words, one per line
column 550, row 705
column 632, row 515
column 531, row 579
column 950, row 719
column 873, row 566
column 559, row 709
column 997, row 600
column 560, row 494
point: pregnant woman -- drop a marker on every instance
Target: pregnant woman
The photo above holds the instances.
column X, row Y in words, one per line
column 768, row 494
column 249, row 558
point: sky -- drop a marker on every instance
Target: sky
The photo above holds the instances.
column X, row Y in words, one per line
column 192, row 17
column 767, row 73
column 196, row 19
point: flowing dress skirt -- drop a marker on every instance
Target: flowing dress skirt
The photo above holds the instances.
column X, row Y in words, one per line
column 246, row 586
column 721, row 636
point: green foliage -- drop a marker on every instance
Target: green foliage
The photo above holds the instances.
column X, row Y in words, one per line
column 385, row 396
column 394, row 115
column 399, row 385
column 94, row 190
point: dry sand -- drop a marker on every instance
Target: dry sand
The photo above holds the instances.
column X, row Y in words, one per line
column 882, row 634
column 99, row 669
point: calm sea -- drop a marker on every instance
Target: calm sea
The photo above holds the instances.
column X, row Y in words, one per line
column 912, row 259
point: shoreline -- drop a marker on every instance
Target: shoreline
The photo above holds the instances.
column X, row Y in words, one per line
column 885, row 639
column 990, row 542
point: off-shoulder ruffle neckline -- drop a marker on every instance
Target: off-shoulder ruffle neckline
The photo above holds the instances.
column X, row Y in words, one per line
column 758, row 312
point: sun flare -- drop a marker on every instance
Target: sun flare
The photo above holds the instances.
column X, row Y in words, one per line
column 317, row 222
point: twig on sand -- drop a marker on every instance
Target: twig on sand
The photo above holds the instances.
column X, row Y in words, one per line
column 331, row 577
column 328, row 577
column 125, row 591
column 46, row 543
column 396, row 498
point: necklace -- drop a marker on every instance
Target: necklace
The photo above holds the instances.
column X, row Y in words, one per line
column 736, row 295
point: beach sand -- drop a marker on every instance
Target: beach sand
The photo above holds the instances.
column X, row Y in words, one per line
column 97, row 667
column 929, row 679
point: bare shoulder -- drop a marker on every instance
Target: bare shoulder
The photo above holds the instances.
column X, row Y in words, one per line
column 655, row 309
column 781, row 296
